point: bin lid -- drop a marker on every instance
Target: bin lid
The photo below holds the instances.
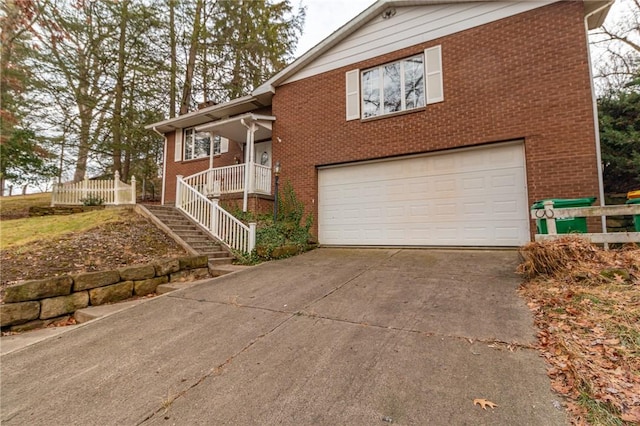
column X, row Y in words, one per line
column 633, row 201
column 633, row 194
column 565, row 202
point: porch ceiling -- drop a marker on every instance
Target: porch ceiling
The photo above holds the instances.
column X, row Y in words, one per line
column 234, row 129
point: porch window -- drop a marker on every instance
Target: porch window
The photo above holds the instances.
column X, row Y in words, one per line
column 198, row 144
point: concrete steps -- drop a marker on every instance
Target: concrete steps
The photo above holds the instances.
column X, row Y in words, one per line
column 198, row 240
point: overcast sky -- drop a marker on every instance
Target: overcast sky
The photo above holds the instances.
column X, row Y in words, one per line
column 326, row 16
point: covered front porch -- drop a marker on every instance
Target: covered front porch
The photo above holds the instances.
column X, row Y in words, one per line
column 232, row 180
column 251, row 177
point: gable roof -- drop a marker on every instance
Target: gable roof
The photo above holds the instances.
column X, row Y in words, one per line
column 595, row 11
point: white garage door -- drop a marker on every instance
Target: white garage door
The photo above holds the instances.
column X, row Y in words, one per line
column 473, row 197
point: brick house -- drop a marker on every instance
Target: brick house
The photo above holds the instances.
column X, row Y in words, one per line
column 417, row 123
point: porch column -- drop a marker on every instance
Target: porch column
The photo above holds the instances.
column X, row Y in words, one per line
column 248, row 163
column 210, row 182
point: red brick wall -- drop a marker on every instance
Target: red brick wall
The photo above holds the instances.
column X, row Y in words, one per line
column 523, row 77
column 256, row 203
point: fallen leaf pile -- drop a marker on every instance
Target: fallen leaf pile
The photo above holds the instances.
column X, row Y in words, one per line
column 131, row 240
column 586, row 302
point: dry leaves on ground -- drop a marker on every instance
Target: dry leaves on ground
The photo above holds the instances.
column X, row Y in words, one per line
column 586, row 302
column 132, row 240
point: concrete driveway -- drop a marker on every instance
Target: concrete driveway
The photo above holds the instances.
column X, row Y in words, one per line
column 332, row 337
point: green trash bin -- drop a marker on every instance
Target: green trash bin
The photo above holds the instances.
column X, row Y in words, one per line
column 567, row 225
column 636, row 217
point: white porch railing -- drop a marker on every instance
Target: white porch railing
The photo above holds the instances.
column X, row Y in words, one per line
column 262, row 179
column 231, row 179
column 214, row 218
column 550, row 214
column 110, row 191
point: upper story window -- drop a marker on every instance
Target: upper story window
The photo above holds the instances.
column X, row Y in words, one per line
column 393, row 87
column 403, row 85
column 198, row 144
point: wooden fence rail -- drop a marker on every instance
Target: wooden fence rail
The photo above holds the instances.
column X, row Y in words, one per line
column 107, row 191
column 551, row 214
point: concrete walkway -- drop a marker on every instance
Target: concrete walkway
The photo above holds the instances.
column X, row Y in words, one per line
column 335, row 336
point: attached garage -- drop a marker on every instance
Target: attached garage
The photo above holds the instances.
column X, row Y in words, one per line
column 466, row 197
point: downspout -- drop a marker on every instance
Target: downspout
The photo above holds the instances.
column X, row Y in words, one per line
column 164, row 163
column 596, row 124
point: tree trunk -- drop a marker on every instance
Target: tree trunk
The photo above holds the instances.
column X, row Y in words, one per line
column 84, row 144
column 174, row 67
column 85, row 113
column 119, row 95
column 193, row 51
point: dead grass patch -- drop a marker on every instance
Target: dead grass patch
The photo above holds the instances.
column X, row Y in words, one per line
column 586, row 303
column 129, row 239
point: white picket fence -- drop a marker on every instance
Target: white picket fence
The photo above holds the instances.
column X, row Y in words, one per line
column 112, row 192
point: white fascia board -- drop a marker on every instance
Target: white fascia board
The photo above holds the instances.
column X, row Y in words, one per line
column 596, row 12
column 249, row 117
column 323, row 46
column 205, row 114
column 235, row 128
column 340, row 34
column 369, row 14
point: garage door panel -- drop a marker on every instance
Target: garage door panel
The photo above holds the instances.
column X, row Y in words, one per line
column 474, row 183
column 472, row 197
column 506, row 180
column 505, row 208
column 420, row 211
column 474, row 210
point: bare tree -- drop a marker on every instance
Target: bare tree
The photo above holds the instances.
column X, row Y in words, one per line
column 617, row 47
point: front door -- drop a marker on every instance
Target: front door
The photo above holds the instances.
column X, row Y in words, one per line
column 263, row 153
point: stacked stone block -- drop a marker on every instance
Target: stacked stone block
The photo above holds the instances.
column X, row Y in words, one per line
column 36, row 303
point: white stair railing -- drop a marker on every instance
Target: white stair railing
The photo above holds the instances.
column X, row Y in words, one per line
column 220, row 223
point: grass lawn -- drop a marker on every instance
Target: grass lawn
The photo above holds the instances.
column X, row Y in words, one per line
column 22, row 231
column 18, row 205
column 81, row 242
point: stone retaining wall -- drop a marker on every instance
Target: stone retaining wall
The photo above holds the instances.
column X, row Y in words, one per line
column 61, row 210
column 36, row 303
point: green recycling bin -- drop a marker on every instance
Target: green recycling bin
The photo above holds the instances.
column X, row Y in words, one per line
column 636, row 217
column 567, row 225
